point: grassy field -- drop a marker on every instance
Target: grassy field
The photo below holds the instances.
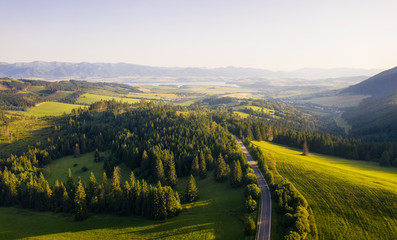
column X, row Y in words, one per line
column 58, row 169
column 217, row 215
column 23, row 132
column 350, row 199
column 89, row 98
column 48, row 109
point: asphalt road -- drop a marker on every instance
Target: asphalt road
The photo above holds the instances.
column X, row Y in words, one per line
column 263, row 232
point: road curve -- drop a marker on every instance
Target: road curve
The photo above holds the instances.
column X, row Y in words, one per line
column 264, row 219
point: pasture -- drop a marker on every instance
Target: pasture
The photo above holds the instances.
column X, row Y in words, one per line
column 350, row 199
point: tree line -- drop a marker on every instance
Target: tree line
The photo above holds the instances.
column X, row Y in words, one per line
column 297, row 216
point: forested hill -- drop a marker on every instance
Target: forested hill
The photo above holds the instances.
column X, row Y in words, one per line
column 381, row 85
column 20, row 94
column 374, row 119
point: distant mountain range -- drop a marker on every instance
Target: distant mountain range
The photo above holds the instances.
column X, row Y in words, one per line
column 58, row 70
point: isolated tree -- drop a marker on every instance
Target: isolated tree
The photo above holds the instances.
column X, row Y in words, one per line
column 97, row 157
column 305, row 150
column 222, row 170
column 80, row 203
column 77, row 151
column 191, row 193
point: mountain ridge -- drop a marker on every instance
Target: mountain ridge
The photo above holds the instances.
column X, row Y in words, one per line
column 56, row 70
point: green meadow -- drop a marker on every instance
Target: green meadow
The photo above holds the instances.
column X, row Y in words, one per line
column 89, row 98
column 48, row 109
column 350, row 199
column 217, row 215
column 59, row 168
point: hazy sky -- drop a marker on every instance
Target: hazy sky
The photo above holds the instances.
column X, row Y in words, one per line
column 271, row 34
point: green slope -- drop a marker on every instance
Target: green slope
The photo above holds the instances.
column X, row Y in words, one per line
column 350, row 199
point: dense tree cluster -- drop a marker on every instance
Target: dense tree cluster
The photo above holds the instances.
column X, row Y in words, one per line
column 356, row 149
column 155, row 140
column 22, row 93
column 134, row 197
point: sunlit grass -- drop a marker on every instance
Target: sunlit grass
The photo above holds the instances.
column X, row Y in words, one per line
column 48, row 109
column 350, row 199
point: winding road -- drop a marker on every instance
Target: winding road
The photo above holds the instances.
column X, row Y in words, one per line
column 264, row 218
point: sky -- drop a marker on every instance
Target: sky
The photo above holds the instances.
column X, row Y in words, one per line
column 270, row 34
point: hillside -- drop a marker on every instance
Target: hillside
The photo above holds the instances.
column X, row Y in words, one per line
column 375, row 119
column 350, row 199
column 381, row 85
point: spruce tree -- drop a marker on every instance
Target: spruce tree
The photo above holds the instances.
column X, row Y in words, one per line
column 70, row 185
column 159, row 170
column 222, row 170
column 210, row 160
column 103, row 192
column 92, row 190
column 195, row 167
column 305, row 150
column 203, row 166
column 191, row 193
column 117, row 192
column 80, row 203
column 236, row 177
column 77, row 151
column 171, row 176
column 66, row 204
column 97, row 157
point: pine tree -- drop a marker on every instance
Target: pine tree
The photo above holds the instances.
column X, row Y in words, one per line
column 70, row 186
column 92, row 190
column 97, row 157
column 159, row 170
column 80, row 203
column 160, row 207
column 305, row 150
column 66, row 204
column 210, row 160
column 236, row 177
column 191, row 193
column 222, row 170
column 203, row 166
column 116, row 194
column 77, row 151
column 103, row 192
column 171, row 176
column 385, row 159
column 195, row 167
